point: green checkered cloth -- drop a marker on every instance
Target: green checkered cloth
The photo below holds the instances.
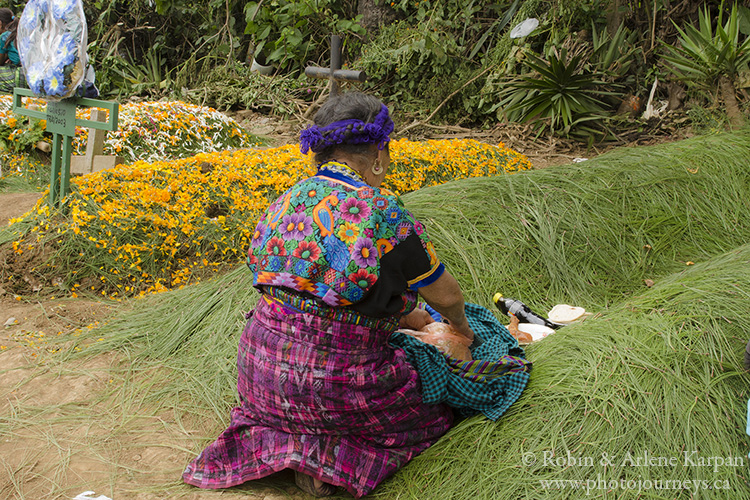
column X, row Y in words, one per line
column 489, row 384
column 11, row 76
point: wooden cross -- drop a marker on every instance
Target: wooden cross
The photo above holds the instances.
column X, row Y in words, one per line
column 335, row 74
column 94, row 160
column 62, row 122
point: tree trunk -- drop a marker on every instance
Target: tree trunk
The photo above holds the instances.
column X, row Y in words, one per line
column 728, row 95
column 614, row 17
column 375, row 15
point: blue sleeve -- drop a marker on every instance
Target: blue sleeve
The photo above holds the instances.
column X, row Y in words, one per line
column 3, row 37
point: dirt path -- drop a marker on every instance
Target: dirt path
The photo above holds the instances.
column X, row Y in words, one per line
column 16, row 204
column 59, row 434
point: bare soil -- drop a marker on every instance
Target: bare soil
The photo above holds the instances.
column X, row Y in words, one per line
column 16, row 204
column 47, row 451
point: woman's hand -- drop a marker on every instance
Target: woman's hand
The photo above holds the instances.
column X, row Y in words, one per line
column 416, row 320
column 463, row 328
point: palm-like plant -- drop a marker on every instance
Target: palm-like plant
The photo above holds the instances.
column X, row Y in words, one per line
column 556, row 94
column 706, row 57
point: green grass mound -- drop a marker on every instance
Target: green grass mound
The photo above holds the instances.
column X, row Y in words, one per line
column 655, row 373
column 592, row 232
column 647, row 400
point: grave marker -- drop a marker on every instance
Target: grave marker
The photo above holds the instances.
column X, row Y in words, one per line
column 62, row 122
column 94, row 160
column 335, row 74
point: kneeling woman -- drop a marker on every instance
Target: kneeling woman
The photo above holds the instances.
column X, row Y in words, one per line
column 340, row 263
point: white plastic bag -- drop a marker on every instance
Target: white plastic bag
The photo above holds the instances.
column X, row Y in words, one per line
column 52, row 41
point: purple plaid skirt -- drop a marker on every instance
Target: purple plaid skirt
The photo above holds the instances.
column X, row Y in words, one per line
column 324, row 397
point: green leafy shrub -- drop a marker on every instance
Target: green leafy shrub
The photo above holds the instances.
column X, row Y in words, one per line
column 557, row 96
column 704, row 54
column 289, row 33
column 709, row 60
column 418, row 64
column 434, row 51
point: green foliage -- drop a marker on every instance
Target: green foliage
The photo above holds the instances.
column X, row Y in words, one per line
column 139, row 43
column 421, row 62
column 411, row 59
column 704, row 54
column 289, row 33
column 614, row 55
column 148, row 78
column 558, row 96
column 423, row 59
column 570, row 16
column 237, row 87
column 474, row 26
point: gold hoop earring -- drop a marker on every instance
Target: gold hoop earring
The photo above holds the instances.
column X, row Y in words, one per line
column 377, row 168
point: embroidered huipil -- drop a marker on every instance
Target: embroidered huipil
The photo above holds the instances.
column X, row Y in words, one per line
column 337, row 239
column 323, row 390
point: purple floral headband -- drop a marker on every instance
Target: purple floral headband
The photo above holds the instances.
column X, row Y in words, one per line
column 316, row 139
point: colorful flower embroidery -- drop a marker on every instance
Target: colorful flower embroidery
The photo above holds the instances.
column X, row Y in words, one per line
column 366, row 193
column 380, row 203
column 331, row 235
column 364, row 253
column 418, row 227
column 311, row 197
column 403, row 231
column 348, row 233
column 363, row 279
column 384, row 246
column 275, row 246
column 260, row 231
column 354, row 210
column 308, row 250
column 296, row 226
column 251, row 259
column 393, row 214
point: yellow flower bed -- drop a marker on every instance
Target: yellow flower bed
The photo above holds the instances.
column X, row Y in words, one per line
column 151, row 226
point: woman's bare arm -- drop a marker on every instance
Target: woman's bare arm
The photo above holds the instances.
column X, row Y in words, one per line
column 445, row 296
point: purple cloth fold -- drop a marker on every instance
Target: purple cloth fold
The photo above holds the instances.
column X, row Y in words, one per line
column 326, row 398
